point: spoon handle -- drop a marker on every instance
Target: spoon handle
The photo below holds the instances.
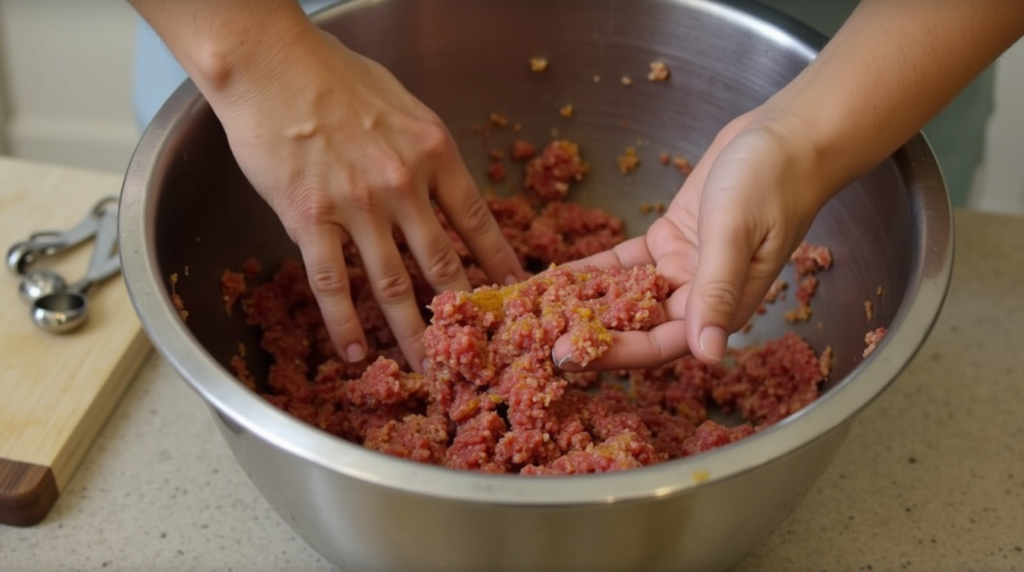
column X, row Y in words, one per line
column 105, row 261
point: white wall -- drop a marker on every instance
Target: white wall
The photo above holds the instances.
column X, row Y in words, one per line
column 67, row 68
column 65, row 90
column 1001, row 181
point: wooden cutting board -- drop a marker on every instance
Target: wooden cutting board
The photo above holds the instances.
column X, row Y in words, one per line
column 56, row 391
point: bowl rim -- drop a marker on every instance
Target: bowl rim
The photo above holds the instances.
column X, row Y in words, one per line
column 230, row 399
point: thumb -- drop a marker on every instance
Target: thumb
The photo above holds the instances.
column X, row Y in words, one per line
column 725, row 249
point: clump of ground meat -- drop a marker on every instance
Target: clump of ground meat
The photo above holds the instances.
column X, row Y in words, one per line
column 628, row 161
column 522, row 150
column 550, row 174
column 873, row 338
column 659, row 72
column 808, row 259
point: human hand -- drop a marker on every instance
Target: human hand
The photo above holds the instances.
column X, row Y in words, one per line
column 722, row 241
column 342, row 152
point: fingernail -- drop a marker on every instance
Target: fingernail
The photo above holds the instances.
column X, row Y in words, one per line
column 354, row 352
column 511, row 279
column 425, row 365
column 713, row 341
column 563, row 361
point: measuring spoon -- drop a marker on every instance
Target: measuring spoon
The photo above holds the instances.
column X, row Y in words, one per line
column 50, row 242
column 39, row 283
column 65, row 310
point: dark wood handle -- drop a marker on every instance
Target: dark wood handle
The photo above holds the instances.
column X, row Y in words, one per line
column 27, row 492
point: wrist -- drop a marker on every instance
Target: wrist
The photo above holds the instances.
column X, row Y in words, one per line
column 803, row 154
column 227, row 44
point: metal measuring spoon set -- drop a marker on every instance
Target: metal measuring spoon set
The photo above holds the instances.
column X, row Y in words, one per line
column 57, row 305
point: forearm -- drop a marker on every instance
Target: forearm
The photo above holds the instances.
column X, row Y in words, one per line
column 891, row 68
column 221, row 43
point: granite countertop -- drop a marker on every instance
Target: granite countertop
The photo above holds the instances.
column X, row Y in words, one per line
column 930, row 478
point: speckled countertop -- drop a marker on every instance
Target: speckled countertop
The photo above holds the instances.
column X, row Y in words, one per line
column 931, row 477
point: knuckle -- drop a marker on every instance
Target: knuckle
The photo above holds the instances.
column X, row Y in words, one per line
column 394, row 288
column 477, row 218
column 398, row 177
column 307, row 203
column 445, row 266
column 329, row 281
column 720, row 297
column 361, row 197
column 434, row 138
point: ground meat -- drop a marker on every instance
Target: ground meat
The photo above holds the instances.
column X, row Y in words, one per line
column 496, row 171
column 770, row 382
column 628, row 161
column 873, row 338
column 659, row 72
column 498, row 120
column 523, row 150
column 681, row 163
column 492, row 400
column 550, row 174
column 176, row 299
column 808, row 259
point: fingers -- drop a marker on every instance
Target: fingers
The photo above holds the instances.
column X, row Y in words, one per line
column 321, row 247
column 632, row 350
column 392, row 288
column 726, row 250
column 470, row 217
column 639, row 349
column 627, row 254
column 434, row 251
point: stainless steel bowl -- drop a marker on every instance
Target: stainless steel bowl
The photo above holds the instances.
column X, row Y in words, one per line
column 186, row 205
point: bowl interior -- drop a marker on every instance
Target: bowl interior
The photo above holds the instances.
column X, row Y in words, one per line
column 467, row 59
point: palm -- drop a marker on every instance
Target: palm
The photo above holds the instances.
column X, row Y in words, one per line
column 724, row 239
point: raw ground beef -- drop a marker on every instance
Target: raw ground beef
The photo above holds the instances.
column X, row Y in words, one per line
column 492, row 400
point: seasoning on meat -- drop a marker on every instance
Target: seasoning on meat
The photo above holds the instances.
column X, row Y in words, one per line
column 628, row 161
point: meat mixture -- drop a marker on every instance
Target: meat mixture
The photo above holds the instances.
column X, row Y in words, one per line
column 492, row 400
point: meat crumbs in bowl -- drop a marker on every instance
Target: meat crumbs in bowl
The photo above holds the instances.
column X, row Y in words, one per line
column 492, row 400
column 580, row 119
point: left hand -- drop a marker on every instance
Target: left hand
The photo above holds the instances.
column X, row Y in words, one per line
column 722, row 242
